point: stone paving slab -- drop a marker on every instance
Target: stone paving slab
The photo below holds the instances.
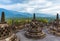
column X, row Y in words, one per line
column 49, row 37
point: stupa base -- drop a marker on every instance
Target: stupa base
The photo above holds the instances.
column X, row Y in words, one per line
column 13, row 37
column 34, row 35
column 54, row 32
column 57, row 33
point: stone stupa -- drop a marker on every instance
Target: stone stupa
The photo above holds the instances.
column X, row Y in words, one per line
column 6, row 32
column 55, row 26
column 35, row 29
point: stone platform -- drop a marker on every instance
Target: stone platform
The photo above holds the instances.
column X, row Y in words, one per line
column 54, row 32
column 34, row 35
column 49, row 37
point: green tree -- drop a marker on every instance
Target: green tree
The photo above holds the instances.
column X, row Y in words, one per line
column 44, row 20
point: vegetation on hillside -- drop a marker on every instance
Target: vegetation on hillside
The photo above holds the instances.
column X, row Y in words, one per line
column 25, row 20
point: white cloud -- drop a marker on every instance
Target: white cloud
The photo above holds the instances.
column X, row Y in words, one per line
column 52, row 10
column 5, row 1
column 37, row 6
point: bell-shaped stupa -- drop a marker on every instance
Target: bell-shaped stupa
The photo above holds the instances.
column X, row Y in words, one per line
column 34, row 29
column 6, row 32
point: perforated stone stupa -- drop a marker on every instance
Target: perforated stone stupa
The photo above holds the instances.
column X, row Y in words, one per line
column 6, row 32
column 55, row 26
column 35, row 29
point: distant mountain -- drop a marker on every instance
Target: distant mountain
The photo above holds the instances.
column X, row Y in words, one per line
column 12, row 14
column 44, row 15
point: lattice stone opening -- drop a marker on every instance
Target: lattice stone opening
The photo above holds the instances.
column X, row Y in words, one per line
column 5, row 31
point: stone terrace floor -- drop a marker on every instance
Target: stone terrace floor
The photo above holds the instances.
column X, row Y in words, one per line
column 49, row 37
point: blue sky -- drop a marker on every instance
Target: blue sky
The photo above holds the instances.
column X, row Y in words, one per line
column 32, row 6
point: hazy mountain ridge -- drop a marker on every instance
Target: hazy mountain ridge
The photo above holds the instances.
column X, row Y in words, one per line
column 12, row 14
